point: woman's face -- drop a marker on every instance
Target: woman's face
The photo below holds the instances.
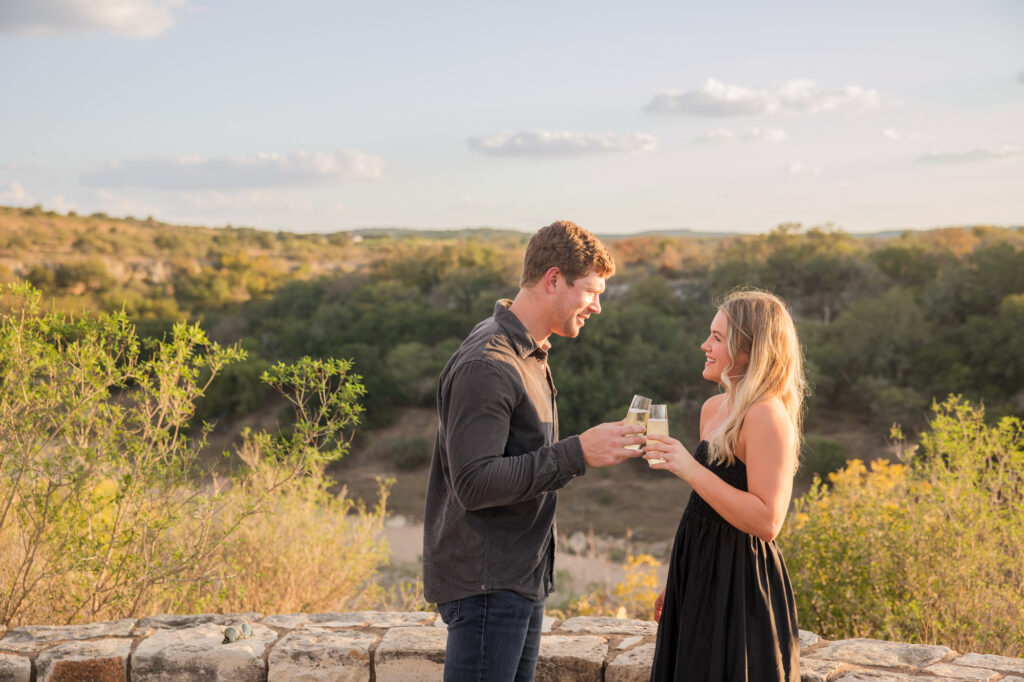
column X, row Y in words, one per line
column 716, row 351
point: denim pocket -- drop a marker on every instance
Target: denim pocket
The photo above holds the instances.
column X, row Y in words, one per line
column 450, row 611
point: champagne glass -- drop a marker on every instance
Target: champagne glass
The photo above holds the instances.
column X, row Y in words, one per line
column 657, row 422
column 638, row 414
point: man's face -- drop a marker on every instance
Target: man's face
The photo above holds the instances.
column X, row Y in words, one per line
column 575, row 302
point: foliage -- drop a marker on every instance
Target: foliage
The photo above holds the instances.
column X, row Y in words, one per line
column 821, row 456
column 311, row 551
column 410, row 453
column 888, row 322
column 632, row 598
column 105, row 507
column 929, row 549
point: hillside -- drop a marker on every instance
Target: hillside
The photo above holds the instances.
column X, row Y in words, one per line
column 889, row 322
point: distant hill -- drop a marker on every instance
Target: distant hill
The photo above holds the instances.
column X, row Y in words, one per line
column 482, row 233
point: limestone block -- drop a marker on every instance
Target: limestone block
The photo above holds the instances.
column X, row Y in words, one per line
column 882, row 676
column 880, row 653
column 959, row 672
column 359, row 619
column 808, row 639
column 174, row 622
column 629, row 642
column 307, row 656
column 196, row 653
column 814, row 670
column 14, row 668
column 23, row 646
column 545, row 626
column 97, row 660
column 633, row 665
column 1003, row 664
column 33, row 638
column 411, row 654
column 571, row 658
column 609, row 626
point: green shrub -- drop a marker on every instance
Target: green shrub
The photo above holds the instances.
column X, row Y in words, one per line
column 410, row 453
column 41, row 277
column 821, row 456
column 88, row 276
column 927, row 550
column 887, row 403
column 106, row 510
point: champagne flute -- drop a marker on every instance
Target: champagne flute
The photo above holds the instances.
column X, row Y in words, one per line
column 657, row 422
column 637, row 414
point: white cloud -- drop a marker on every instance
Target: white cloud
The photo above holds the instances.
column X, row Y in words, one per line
column 61, row 204
column 116, row 204
column 563, row 143
column 893, row 134
column 971, row 155
column 129, row 18
column 13, row 193
column 799, row 168
column 718, row 99
column 805, row 95
column 763, row 135
column 714, row 98
column 717, row 136
column 295, row 202
column 724, row 135
column 239, row 172
column 1020, row 77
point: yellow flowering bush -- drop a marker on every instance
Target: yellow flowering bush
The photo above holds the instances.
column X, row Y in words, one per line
column 927, row 549
column 632, row 598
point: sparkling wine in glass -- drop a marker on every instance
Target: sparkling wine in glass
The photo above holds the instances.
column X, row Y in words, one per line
column 638, row 414
column 657, row 422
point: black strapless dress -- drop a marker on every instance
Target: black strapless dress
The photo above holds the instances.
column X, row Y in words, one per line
column 729, row 613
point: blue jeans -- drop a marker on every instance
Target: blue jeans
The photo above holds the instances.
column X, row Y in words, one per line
column 492, row 637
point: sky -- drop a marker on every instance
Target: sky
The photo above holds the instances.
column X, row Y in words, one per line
column 328, row 115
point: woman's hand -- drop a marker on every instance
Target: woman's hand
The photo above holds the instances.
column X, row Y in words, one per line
column 659, row 604
column 676, row 458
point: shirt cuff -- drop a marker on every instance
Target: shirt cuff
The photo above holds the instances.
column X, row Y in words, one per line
column 570, row 460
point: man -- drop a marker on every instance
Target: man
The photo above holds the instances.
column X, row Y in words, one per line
column 489, row 545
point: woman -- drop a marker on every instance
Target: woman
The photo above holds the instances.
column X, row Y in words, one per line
column 727, row 612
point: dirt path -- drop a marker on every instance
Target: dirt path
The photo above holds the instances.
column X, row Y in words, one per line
column 406, row 542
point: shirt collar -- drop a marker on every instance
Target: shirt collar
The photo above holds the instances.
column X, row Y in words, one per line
column 523, row 340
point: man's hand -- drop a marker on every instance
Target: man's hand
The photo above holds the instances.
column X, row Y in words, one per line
column 605, row 444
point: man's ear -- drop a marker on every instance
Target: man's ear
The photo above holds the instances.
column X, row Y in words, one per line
column 551, row 278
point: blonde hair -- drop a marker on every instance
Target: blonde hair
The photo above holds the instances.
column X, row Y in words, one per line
column 760, row 325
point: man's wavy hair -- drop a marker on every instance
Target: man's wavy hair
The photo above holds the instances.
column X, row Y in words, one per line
column 568, row 247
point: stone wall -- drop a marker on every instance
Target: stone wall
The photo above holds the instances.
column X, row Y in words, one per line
column 385, row 646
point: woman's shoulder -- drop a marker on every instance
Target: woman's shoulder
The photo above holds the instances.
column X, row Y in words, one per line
column 769, row 407
column 765, row 417
column 712, row 412
column 715, row 402
column 713, row 406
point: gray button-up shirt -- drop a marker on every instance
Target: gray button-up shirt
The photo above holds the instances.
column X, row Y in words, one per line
column 490, row 511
